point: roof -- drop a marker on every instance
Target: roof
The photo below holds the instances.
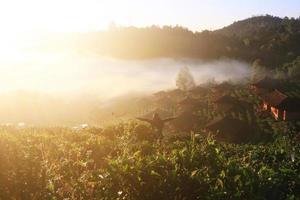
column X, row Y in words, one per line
column 290, row 89
column 230, row 129
column 274, row 98
column 186, row 121
column 281, row 101
column 267, row 82
column 290, row 104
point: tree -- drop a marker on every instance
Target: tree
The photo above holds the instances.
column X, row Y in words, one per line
column 294, row 69
column 185, row 80
column 258, row 71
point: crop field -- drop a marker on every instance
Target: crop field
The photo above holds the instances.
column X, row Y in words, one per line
column 124, row 162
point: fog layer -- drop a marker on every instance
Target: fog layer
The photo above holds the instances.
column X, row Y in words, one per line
column 52, row 87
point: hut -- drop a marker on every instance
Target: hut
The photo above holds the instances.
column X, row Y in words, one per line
column 186, row 121
column 265, row 85
column 229, row 129
column 227, row 103
column 281, row 106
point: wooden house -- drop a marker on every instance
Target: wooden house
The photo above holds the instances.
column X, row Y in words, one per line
column 227, row 103
column 281, row 106
column 229, row 129
column 265, row 85
column 186, row 121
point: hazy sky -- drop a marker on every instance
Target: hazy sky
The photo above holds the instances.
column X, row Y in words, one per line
column 87, row 15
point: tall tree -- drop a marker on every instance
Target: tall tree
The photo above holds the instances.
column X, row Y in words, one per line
column 185, row 80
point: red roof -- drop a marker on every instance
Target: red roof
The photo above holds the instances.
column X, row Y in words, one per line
column 281, row 101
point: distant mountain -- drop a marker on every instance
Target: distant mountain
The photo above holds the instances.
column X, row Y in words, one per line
column 253, row 25
column 272, row 40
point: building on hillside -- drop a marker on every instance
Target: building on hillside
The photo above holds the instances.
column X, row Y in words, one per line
column 229, row 129
column 281, row 106
column 186, row 121
column 265, row 85
column 227, row 103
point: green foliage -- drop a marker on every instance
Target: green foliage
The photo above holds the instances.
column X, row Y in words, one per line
column 272, row 39
column 59, row 163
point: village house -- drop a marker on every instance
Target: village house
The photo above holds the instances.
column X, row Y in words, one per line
column 229, row 129
column 227, row 103
column 186, row 121
column 265, row 85
column 281, row 106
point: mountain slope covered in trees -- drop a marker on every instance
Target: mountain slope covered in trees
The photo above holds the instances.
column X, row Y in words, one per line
column 272, row 40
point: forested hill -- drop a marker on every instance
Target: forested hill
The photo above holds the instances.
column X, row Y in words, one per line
column 254, row 25
column 273, row 40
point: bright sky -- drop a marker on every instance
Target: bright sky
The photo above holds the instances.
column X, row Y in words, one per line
column 89, row 15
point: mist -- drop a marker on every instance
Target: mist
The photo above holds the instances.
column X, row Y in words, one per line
column 66, row 88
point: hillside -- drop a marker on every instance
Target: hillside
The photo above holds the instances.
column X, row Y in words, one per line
column 253, row 25
column 221, row 145
column 273, row 40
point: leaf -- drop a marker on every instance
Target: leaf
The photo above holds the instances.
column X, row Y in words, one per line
column 220, row 183
column 194, row 173
column 237, row 177
column 154, row 173
column 137, row 153
column 50, row 186
column 222, row 174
